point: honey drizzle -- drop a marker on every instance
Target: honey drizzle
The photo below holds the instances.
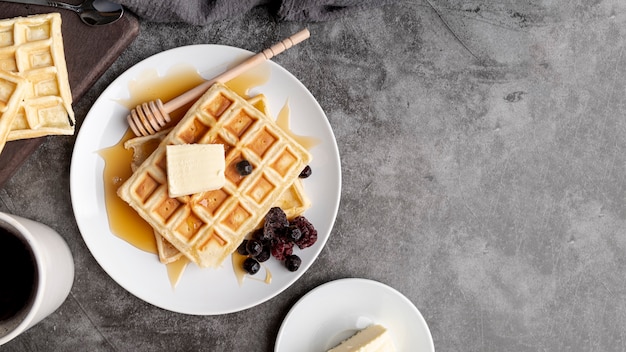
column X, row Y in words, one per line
column 253, row 78
column 241, row 274
column 238, row 260
column 124, row 222
column 150, row 86
column 283, row 121
column 176, row 269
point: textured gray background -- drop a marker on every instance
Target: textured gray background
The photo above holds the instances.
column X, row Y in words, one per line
column 482, row 147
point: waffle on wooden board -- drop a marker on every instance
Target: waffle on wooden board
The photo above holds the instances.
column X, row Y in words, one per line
column 32, row 48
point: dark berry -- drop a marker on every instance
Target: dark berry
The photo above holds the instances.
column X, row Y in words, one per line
column 254, row 247
column 242, row 248
column 277, row 217
column 251, row 266
column 268, row 232
column 244, row 168
column 293, row 233
column 281, row 249
column 264, row 255
column 293, row 262
column 259, row 234
column 306, row 172
column 275, row 222
column 309, row 233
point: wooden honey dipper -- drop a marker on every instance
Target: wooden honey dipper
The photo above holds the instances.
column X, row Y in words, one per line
column 148, row 118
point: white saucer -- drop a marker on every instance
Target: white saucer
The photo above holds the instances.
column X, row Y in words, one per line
column 336, row 310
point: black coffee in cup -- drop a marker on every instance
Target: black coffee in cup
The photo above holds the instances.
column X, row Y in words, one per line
column 18, row 274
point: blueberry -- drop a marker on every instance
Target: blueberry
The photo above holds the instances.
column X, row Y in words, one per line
column 254, row 247
column 293, row 233
column 264, row 255
column 293, row 262
column 262, row 235
column 251, row 266
column 258, row 234
column 244, row 168
column 306, row 172
column 242, row 248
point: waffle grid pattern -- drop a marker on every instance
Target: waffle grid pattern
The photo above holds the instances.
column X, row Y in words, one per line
column 32, row 47
column 293, row 201
column 208, row 226
column 11, row 92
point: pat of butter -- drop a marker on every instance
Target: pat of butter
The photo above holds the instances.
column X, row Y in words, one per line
column 194, row 168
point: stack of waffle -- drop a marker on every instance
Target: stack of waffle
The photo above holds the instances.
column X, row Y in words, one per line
column 31, row 48
column 207, row 227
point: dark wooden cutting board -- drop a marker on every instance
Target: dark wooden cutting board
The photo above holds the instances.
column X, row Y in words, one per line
column 89, row 52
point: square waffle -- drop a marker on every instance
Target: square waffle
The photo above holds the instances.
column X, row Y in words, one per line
column 207, row 227
column 293, row 201
column 32, row 47
column 12, row 89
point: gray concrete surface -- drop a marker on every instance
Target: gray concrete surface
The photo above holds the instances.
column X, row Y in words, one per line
column 483, row 160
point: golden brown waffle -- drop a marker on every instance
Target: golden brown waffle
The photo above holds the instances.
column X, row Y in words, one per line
column 207, row 227
column 166, row 251
column 32, row 47
column 143, row 146
column 12, row 89
column 293, row 201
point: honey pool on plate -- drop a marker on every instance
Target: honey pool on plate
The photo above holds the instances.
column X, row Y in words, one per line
column 123, row 220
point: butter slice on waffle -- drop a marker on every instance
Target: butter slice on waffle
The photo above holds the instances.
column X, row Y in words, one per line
column 207, row 227
column 12, row 89
column 32, row 47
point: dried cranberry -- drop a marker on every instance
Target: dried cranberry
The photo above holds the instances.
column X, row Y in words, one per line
column 309, row 233
column 281, row 249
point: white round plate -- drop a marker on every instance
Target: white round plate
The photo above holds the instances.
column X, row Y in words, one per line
column 336, row 310
column 199, row 291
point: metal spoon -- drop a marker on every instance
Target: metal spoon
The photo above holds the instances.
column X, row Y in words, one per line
column 91, row 12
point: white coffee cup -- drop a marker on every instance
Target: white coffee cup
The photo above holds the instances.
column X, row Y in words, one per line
column 52, row 278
